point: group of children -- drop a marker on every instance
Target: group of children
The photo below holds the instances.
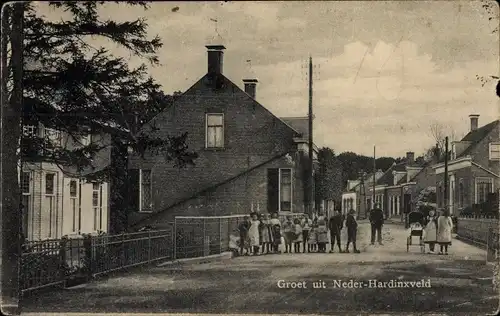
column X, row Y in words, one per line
column 261, row 234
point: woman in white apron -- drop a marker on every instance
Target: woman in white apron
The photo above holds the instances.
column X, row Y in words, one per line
column 430, row 231
column 444, row 228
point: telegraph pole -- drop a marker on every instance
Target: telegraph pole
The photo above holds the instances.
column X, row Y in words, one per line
column 311, row 163
column 374, row 171
column 446, row 174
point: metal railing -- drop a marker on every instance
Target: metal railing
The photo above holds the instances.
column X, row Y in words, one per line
column 197, row 236
column 59, row 262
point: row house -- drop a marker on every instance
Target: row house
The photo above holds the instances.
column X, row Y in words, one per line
column 473, row 169
column 398, row 190
column 248, row 158
column 56, row 201
column 356, row 195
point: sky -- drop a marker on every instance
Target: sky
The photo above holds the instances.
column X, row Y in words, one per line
column 384, row 71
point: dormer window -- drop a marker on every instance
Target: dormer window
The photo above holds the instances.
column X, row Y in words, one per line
column 453, row 151
column 214, row 130
column 495, row 151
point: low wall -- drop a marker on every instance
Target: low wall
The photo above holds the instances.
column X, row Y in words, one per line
column 476, row 230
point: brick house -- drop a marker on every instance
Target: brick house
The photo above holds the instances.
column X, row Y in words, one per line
column 473, row 169
column 398, row 189
column 55, row 199
column 247, row 157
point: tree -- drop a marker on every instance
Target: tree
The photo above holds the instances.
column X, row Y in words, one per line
column 328, row 179
column 489, row 7
column 439, row 132
column 353, row 165
column 74, row 87
column 12, row 98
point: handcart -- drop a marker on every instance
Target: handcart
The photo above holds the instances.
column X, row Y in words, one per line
column 416, row 222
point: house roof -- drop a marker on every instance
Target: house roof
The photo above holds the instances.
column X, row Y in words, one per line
column 476, row 136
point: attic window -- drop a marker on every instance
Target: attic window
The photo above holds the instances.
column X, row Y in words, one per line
column 495, row 151
column 214, row 130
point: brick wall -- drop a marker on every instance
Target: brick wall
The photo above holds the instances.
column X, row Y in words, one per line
column 252, row 135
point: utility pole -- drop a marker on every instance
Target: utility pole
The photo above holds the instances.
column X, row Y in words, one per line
column 446, row 174
column 311, row 163
column 374, row 171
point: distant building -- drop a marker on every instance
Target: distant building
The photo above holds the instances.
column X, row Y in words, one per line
column 356, row 195
column 249, row 159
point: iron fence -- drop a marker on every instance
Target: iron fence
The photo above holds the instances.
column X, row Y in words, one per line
column 203, row 236
column 69, row 261
column 75, row 260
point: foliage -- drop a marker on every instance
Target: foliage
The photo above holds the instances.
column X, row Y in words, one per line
column 354, row 164
column 329, row 176
column 76, row 88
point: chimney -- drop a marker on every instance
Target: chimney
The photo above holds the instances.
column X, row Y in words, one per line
column 215, row 58
column 410, row 157
column 474, row 118
column 250, row 86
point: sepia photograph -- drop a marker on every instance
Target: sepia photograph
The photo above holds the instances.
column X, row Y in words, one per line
column 250, row 157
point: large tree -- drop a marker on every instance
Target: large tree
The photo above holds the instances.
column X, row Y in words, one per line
column 328, row 178
column 75, row 86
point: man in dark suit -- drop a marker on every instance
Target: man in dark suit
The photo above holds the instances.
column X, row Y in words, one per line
column 335, row 225
column 376, row 221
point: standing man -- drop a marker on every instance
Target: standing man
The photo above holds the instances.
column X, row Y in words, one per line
column 376, row 221
column 335, row 225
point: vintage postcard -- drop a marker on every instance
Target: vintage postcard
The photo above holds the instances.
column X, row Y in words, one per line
column 265, row 157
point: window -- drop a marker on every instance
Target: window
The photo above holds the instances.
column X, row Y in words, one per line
column 285, row 189
column 495, row 151
column 215, row 131
column 26, row 201
column 73, row 196
column 50, row 199
column 29, row 130
column 441, row 195
column 145, row 197
column 53, row 136
column 484, row 186
column 461, row 193
column 97, row 205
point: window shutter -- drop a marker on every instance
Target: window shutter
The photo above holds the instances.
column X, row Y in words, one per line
column 133, row 189
column 273, row 190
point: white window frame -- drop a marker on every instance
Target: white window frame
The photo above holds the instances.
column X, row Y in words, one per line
column 28, row 208
column 54, row 136
column 29, row 130
column 150, row 208
column 206, row 130
column 97, row 209
column 51, row 198
column 490, row 150
column 291, row 188
column 482, row 179
column 74, row 206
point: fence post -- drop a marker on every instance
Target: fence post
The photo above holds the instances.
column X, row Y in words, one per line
column 204, row 236
column 123, row 250
column 174, row 240
column 220, row 235
column 62, row 256
column 87, row 250
column 149, row 246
